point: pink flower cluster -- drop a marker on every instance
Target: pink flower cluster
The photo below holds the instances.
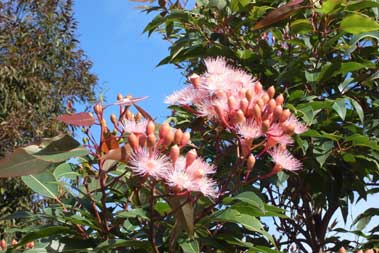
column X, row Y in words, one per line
column 160, row 159
column 234, row 99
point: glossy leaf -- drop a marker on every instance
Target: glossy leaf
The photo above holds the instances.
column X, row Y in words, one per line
column 358, row 23
column 43, row 183
column 190, row 246
column 340, row 107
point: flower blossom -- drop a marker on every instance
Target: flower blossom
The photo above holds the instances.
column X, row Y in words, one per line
column 133, row 126
column 153, row 164
column 284, row 159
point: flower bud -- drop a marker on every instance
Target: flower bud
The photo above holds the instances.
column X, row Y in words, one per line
column 249, row 94
column 133, row 141
column 3, row 245
column 360, row 251
column 195, row 80
column 98, row 108
column 185, row 139
column 198, row 173
column 258, row 87
column 278, row 112
column 29, row 245
column 271, row 106
column 369, row 251
column 250, row 162
column 342, row 250
column 271, row 91
column 178, row 136
column 260, row 103
column 119, row 96
column 129, row 115
column 244, row 104
column 14, row 242
column 285, row 115
column 220, row 94
column 242, row 92
column 257, row 112
column 151, row 140
column 138, row 116
column 231, row 103
column 142, row 140
column 265, row 125
column 265, row 98
column 168, row 138
column 190, row 157
column 150, row 128
column 239, row 117
column 174, row 153
column 279, row 99
column 164, row 129
column 114, row 119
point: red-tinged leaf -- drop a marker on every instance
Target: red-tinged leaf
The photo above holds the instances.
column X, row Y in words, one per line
column 110, row 142
column 280, row 14
column 129, row 101
column 77, row 119
column 143, row 112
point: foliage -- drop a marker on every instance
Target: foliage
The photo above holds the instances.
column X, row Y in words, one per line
column 324, row 56
column 145, row 187
column 41, row 68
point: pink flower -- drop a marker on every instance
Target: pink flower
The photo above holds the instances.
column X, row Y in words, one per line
column 193, row 178
column 132, row 126
column 216, row 65
column 153, row 164
column 276, row 135
column 284, row 159
column 249, row 130
column 299, row 127
column 184, row 96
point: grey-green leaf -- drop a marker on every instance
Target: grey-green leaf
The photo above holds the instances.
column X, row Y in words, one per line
column 44, row 183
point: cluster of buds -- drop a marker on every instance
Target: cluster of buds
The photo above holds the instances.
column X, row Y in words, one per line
column 343, row 250
column 3, row 244
column 232, row 98
column 156, row 155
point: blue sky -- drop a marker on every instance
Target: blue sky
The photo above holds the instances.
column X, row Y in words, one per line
column 125, row 59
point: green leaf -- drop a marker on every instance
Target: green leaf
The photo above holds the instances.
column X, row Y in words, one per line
column 358, row 23
column 312, row 77
column 308, row 115
column 356, row 6
column 358, row 109
column 21, row 163
column 117, row 243
column 190, row 246
column 347, row 67
column 219, row 4
column 133, row 213
column 340, row 107
column 44, row 183
column 364, row 218
column 329, row 6
column 45, row 232
column 65, row 170
column 362, row 140
column 60, row 149
column 301, row 26
column 250, row 198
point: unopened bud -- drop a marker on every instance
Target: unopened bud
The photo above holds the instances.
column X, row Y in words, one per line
column 231, row 103
column 114, row 119
column 129, row 115
column 360, row 251
column 14, row 242
column 285, row 115
column 119, row 96
column 249, row 94
column 242, row 92
column 265, row 125
column 174, row 153
column 178, row 136
column 3, row 245
column 29, row 245
column 98, row 108
column 260, row 103
column 369, row 251
column 150, row 128
column 142, row 140
column 265, row 98
column 288, row 128
column 244, row 104
column 164, row 129
column 279, row 99
column 198, row 173
column 168, row 138
column 138, row 116
column 151, row 140
column 258, row 87
column 250, row 162
column 271, row 91
column 257, row 112
column 278, row 112
column 191, row 157
column 271, row 106
column 239, row 117
column 220, row 94
column 133, row 141
column 185, row 139
column 195, row 80
column 342, row 250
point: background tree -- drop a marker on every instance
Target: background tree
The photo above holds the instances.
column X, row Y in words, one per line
column 41, row 68
column 324, row 56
